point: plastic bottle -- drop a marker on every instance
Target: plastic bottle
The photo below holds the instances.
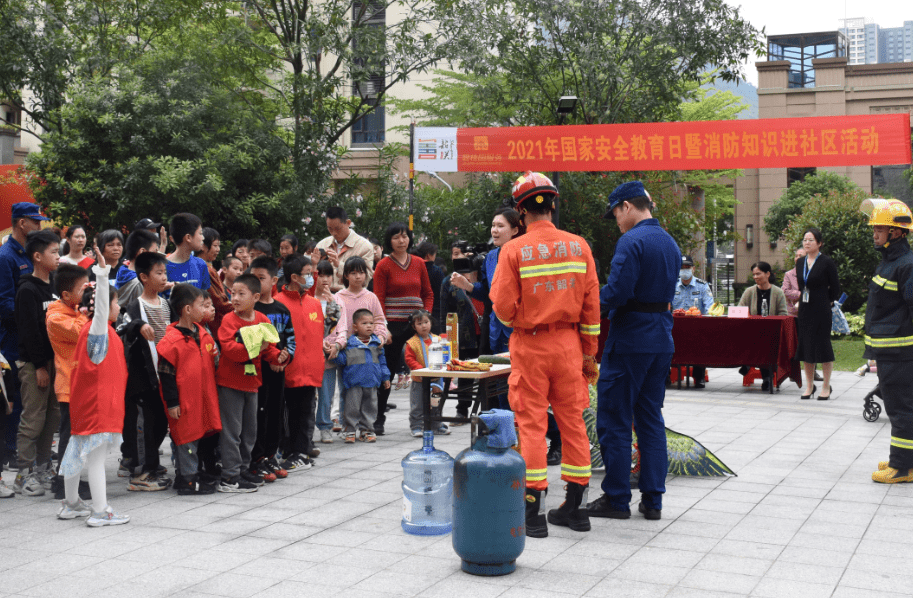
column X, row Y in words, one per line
column 764, row 309
column 436, row 355
column 427, row 490
column 446, row 346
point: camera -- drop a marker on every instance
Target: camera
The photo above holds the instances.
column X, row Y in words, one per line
column 474, row 260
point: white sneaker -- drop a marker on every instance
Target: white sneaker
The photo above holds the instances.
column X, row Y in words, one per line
column 28, row 484
column 6, row 491
column 107, row 517
column 46, row 478
column 326, row 437
column 417, row 433
column 443, row 430
column 68, row 511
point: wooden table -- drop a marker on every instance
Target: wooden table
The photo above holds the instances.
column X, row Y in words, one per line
column 485, row 386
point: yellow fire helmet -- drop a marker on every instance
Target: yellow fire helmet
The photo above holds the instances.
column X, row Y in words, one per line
column 887, row 212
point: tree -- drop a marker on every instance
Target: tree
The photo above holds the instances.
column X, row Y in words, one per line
column 793, row 200
column 846, row 236
column 154, row 142
column 626, row 60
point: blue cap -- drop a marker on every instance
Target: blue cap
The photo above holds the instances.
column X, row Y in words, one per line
column 624, row 192
column 25, row 209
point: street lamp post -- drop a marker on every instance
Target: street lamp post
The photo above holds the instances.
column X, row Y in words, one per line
column 566, row 105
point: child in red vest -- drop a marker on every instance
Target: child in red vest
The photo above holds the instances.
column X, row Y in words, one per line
column 304, row 373
column 187, row 370
column 97, row 390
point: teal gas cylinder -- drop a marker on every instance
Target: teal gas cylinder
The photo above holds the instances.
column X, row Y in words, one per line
column 489, row 487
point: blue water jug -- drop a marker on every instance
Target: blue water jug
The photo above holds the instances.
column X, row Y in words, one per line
column 489, row 488
column 427, row 490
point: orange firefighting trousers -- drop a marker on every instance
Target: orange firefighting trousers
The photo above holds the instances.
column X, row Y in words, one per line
column 547, row 369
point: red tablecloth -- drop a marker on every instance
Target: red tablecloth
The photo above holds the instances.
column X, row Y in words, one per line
column 731, row 342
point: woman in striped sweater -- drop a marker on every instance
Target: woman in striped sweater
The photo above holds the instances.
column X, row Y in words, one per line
column 402, row 286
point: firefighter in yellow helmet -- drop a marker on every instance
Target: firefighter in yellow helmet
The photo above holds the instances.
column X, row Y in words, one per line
column 889, row 330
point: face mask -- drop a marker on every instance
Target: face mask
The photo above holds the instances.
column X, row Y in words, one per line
column 308, row 281
column 684, row 274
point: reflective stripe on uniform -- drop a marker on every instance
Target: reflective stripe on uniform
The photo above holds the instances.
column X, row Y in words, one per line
column 536, row 475
column 885, row 283
column 589, row 329
column 573, row 470
column 884, row 343
column 901, row 443
column 551, row 269
column 508, row 324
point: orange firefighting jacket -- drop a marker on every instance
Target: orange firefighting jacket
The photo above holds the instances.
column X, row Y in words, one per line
column 548, row 276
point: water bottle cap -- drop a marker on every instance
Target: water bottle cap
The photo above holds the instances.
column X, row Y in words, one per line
column 500, row 423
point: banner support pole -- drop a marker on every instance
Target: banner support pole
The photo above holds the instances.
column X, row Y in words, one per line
column 412, row 176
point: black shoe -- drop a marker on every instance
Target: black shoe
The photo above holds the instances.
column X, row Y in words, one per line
column 829, row 393
column 391, row 406
column 765, row 384
column 744, row 370
column 698, row 385
column 601, row 507
column 536, row 525
column 378, row 430
column 573, row 511
column 648, row 513
column 806, row 397
column 252, row 478
column 554, row 454
column 818, row 377
column 193, row 486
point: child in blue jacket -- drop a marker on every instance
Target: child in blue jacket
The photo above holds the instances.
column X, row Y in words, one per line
column 364, row 369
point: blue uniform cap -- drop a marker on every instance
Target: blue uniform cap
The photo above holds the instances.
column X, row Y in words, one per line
column 25, row 209
column 624, row 192
column 687, row 261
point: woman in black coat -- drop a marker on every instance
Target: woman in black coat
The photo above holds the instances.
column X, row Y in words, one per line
column 818, row 289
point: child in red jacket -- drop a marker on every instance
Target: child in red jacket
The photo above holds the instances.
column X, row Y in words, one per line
column 97, row 392
column 187, row 371
column 305, row 372
column 245, row 336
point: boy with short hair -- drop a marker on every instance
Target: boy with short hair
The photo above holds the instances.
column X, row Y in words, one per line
column 246, row 336
column 40, row 413
column 232, row 268
column 144, row 323
column 187, row 369
column 187, row 233
column 270, row 397
column 305, row 373
column 364, row 369
column 128, row 285
column 259, row 248
column 64, row 323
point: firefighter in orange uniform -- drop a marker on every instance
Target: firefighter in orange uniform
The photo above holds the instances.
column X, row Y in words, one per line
column 545, row 287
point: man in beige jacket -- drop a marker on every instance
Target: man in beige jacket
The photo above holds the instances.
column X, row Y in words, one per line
column 343, row 244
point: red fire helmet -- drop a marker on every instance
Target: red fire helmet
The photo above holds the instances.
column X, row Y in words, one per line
column 533, row 185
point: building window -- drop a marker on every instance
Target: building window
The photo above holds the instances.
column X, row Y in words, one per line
column 370, row 128
column 889, row 181
column 797, row 175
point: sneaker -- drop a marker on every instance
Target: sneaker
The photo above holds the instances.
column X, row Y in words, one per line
column 28, row 484
column 298, row 462
column 68, row 511
column 443, row 430
column 314, row 453
column 326, row 437
column 254, row 478
column 336, row 426
column 350, row 438
column 148, row 482
column 274, row 467
column 261, row 469
column 108, row 517
column 6, row 491
column 125, row 470
column 367, row 436
column 193, row 486
column 236, row 484
column 417, row 433
column 46, row 478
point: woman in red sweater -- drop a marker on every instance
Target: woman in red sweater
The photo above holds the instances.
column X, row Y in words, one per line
column 402, row 286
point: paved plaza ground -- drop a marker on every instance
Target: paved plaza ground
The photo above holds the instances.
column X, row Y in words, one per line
column 801, row 519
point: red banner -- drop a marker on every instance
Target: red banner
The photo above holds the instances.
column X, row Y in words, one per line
column 702, row 145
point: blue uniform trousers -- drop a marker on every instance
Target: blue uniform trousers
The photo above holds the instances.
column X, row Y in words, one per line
column 631, row 390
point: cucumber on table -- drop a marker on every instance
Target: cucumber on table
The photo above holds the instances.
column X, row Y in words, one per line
column 495, row 359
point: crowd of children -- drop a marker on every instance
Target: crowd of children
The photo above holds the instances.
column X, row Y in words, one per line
column 238, row 366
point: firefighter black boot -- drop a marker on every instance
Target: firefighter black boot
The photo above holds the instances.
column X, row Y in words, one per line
column 572, row 513
column 536, row 527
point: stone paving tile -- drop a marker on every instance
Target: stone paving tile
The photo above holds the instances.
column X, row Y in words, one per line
column 801, row 519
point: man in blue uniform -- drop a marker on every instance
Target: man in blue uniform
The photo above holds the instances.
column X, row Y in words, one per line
column 638, row 352
column 13, row 264
column 692, row 291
